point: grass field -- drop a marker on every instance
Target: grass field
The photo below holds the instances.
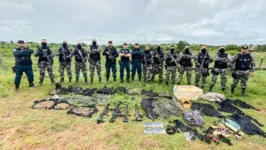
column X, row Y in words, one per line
column 24, row 128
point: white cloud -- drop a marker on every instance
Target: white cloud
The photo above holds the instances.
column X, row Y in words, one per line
column 17, row 5
column 4, row 28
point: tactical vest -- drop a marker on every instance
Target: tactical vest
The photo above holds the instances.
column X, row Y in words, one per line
column 219, row 64
column 23, row 60
column 45, row 51
column 136, row 57
column 148, row 56
column 186, row 62
column 158, row 57
column 77, row 55
column 169, row 60
column 96, row 56
column 125, row 51
column 63, row 53
column 243, row 62
column 202, row 58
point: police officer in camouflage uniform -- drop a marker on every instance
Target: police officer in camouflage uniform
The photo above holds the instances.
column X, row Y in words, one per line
column 45, row 60
column 23, row 64
column 158, row 56
column 65, row 53
column 203, row 59
column 95, row 60
column 171, row 61
column 185, row 65
column 124, row 62
column 80, row 62
column 111, row 54
column 147, row 63
column 220, row 66
column 136, row 61
column 242, row 65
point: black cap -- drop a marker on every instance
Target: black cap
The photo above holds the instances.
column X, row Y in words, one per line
column 20, row 41
column 136, row 43
column 244, row 47
column 110, row 42
column 125, row 44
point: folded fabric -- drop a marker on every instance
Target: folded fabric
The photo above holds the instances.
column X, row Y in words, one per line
column 193, row 118
column 241, row 104
column 214, row 97
column 226, row 106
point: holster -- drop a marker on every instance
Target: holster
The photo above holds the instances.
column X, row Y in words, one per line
column 14, row 69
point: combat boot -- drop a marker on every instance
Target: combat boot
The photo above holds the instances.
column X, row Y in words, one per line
column 100, row 79
column 160, row 81
column 223, row 89
column 86, row 80
column 69, row 80
column 202, row 87
column 114, row 79
column 128, row 81
column 62, row 80
column 121, row 81
column 31, row 84
column 232, row 91
column 210, row 89
column 92, row 80
column 178, row 83
column 77, row 79
column 167, row 83
column 107, row 80
column 16, row 88
column 243, row 93
column 53, row 81
column 189, row 83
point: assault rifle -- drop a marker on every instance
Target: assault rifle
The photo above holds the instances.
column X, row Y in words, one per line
column 44, row 54
column 116, row 112
column 80, row 54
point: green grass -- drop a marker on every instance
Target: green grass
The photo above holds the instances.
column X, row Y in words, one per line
column 24, row 128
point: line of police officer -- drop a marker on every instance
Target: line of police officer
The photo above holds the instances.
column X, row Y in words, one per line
column 151, row 63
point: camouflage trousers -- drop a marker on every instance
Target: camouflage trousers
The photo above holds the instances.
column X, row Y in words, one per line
column 201, row 73
column 62, row 68
column 157, row 69
column 42, row 66
column 147, row 72
column 79, row 66
column 241, row 75
column 216, row 72
column 171, row 70
column 97, row 65
column 182, row 70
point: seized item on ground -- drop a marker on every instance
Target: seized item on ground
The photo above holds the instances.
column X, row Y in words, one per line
column 105, row 90
column 81, row 100
column 138, row 115
column 241, row 104
column 193, row 118
column 77, row 90
column 44, row 104
column 83, row 111
column 213, row 97
column 88, row 91
column 226, row 106
column 188, row 92
column 63, row 105
column 104, row 112
column 146, row 104
column 206, row 109
column 149, row 93
column 116, row 112
column 134, row 91
column 167, row 108
column 152, row 125
column 121, row 89
column 165, row 95
column 185, row 102
column 154, row 131
column 126, row 114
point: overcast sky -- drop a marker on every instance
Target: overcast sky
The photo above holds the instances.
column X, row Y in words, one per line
column 213, row 22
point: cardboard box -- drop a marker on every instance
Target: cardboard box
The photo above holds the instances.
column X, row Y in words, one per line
column 187, row 92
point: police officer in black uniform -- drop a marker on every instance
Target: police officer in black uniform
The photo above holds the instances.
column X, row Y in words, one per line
column 242, row 65
column 124, row 62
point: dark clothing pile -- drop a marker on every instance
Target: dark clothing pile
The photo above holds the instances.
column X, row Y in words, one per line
column 149, row 93
column 120, row 89
column 247, row 126
column 105, row 90
column 179, row 125
column 242, row 104
column 226, row 106
column 206, row 109
column 88, row 91
column 146, row 104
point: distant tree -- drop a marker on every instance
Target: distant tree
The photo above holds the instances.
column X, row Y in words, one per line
column 181, row 45
column 11, row 42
